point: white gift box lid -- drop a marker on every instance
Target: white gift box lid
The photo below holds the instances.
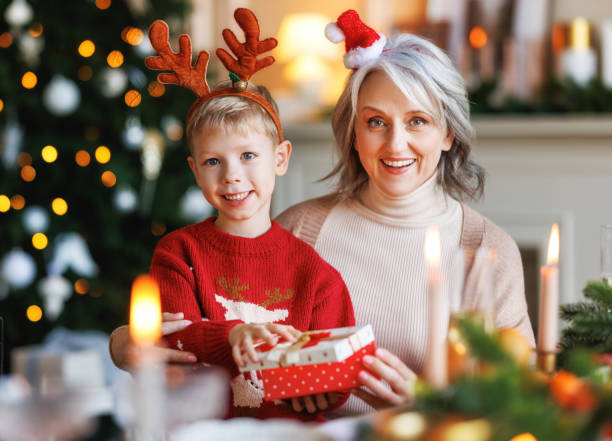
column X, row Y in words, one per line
column 340, row 345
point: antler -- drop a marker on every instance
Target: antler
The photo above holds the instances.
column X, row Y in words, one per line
column 193, row 78
column 234, row 288
column 246, row 62
column 276, row 296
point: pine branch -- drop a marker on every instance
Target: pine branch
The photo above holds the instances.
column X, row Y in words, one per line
column 600, row 292
column 483, row 345
column 572, row 338
column 568, row 311
column 596, row 323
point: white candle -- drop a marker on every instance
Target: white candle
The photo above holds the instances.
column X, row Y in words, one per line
column 578, row 61
column 435, row 364
column 549, row 296
column 149, row 373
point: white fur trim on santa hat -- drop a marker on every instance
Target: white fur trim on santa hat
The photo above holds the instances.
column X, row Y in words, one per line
column 334, row 33
column 360, row 56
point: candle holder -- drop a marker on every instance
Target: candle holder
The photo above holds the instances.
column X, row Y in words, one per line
column 546, row 361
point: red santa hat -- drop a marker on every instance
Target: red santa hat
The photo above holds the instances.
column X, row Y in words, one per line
column 363, row 44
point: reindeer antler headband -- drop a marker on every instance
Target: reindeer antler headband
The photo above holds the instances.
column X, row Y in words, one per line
column 241, row 68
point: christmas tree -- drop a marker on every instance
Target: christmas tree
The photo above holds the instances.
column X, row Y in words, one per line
column 92, row 161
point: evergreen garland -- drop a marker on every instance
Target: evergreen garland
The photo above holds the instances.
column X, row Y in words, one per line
column 590, row 322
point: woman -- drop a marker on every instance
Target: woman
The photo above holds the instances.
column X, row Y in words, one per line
column 403, row 139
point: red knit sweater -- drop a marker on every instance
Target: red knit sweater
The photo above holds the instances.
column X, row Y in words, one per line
column 219, row 280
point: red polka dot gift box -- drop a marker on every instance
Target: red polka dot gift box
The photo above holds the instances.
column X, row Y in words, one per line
column 316, row 362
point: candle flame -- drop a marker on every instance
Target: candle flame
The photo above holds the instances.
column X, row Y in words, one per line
column 553, row 246
column 432, row 245
column 145, row 311
column 580, row 34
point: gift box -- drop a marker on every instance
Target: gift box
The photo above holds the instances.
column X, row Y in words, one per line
column 317, row 362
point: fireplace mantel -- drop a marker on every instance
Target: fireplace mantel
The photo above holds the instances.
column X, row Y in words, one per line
column 540, row 170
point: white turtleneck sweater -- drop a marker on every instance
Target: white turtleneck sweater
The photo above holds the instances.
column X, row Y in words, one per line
column 377, row 244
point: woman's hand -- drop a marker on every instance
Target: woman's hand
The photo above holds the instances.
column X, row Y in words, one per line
column 391, row 369
column 125, row 354
column 244, row 336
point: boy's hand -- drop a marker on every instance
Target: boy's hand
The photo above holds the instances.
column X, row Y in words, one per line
column 244, row 336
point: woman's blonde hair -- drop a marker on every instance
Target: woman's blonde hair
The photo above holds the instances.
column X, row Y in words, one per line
column 426, row 76
column 233, row 113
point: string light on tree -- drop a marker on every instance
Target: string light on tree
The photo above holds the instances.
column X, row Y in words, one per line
column 115, row 59
column 17, row 202
column 108, row 178
column 132, row 98
column 28, row 173
column 34, row 313
column 102, row 154
column 29, row 80
column 82, row 158
column 6, row 39
column 112, row 82
column 59, row 206
column 49, row 153
column 40, row 241
column 84, row 73
column 5, row 203
column 86, row 48
column 30, row 48
column 1, row 105
column 81, row 286
column 125, row 199
column 36, row 30
column 103, row 4
column 24, row 159
column 156, row 89
column 132, row 35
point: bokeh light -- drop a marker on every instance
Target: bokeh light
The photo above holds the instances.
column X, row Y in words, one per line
column 524, row 437
column 5, row 203
column 108, row 178
column 59, row 206
column 40, row 241
column 1, row 105
column 29, row 80
column 115, row 59
column 478, row 37
column 103, row 4
column 6, row 39
column 23, row 159
column 91, row 133
column 174, row 132
column 34, row 313
column 81, row 286
column 103, row 154
column 49, row 153
column 132, row 98
column 156, row 89
column 158, row 228
column 132, row 35
column 85, row 73
column 82, row 158
column 17, row 202
column 86, row 48
column 36, row 30
column 28, row 173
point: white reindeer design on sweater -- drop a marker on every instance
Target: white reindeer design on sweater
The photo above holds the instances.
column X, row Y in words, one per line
column 248, row 388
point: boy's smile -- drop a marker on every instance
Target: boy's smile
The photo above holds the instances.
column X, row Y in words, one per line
column 236, row 173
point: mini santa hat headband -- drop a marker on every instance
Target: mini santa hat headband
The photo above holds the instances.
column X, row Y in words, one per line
column 240, row 68
column 362, row 43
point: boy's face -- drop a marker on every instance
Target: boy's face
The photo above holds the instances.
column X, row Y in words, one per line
column 236, row 174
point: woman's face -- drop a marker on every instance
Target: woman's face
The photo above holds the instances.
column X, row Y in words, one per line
column 399, row 144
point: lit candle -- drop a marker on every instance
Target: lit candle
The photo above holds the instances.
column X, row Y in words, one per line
column 578, row 61
column 149, row 373
column 549, row 304
column 435, row 363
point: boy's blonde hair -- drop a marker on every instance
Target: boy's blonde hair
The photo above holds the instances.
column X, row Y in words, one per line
column 233, row 113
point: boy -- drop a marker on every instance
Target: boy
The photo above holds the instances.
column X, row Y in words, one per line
column 239, row 277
